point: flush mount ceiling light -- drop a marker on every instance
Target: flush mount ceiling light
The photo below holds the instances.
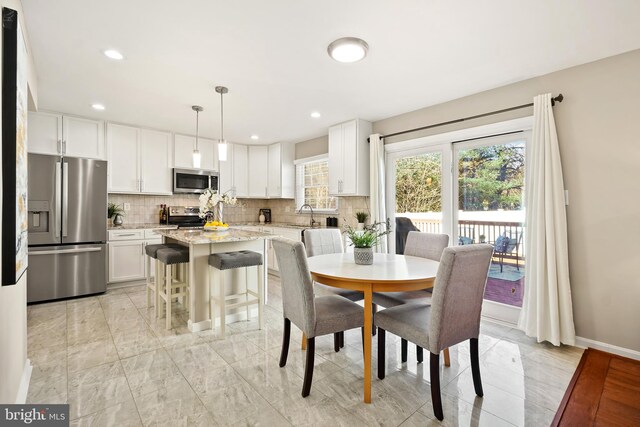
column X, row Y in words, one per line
column 348, row 49
column 196, row 153
column 113, row 54
column 99, row 107
column 255, row 137
column 315, row 115
column 222, row 144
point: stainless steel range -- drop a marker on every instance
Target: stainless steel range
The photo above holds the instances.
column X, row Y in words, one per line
column 185, row 217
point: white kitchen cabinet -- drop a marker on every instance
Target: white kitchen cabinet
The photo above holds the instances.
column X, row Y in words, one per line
column 240, row 170
column 225, row 182
column 122, row 157
column 257, row 171
column 139, row 160
column 51, row 133
column 126, row 260
column 349, row 158
column 155, row 162
column 183, row 152
column 127, row 256
column 294, row 234
column 281, row 171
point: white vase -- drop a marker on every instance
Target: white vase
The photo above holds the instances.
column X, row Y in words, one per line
column 363, row 256
column 261, row 218
column 360, row 226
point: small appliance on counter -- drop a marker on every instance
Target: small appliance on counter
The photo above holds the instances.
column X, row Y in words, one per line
column 332, row 221
column 185, row 217
column 267, row 215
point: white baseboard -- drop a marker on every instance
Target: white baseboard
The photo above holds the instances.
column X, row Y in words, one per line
column 598, row 345
column 21, row 397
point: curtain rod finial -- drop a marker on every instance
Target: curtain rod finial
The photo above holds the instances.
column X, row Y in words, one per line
column 558, row 98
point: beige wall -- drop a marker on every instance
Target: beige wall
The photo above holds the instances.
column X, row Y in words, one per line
column 600, row 148
column 13, row 299
column 312, row 147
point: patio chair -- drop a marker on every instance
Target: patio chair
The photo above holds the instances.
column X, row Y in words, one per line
column 467, row 235
column 403, row 227
column 507, row 247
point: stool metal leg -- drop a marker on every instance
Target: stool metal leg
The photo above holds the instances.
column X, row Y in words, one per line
column 260, row 297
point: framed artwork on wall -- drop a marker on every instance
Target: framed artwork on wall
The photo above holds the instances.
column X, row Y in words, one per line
column 14, row 149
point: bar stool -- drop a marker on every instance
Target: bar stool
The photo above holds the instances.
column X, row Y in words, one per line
column 178, row 288
column 229, row 261
column 152, row 251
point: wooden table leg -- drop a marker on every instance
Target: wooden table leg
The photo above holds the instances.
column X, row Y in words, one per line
column 368, row 301
column 447, row 359
column 304, row 341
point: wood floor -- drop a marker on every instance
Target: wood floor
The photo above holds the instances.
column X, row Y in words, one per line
column 604, row 391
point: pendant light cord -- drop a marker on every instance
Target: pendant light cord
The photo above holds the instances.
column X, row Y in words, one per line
column 221, row 116
column 197, row 127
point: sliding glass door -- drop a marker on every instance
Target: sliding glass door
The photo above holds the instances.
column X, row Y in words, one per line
column 471, row 190
column 489, row 197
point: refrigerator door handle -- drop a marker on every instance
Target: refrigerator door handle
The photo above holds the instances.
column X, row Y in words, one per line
column 64, row 251
column 65, row 197
column 57, row 200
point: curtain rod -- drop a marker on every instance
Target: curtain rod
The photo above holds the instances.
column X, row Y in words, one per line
column 558, row 98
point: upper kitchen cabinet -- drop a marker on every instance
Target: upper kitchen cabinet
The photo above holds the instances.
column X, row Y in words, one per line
column 183, row 152
column 257, row 171
column 50, row 133
column 240, row 170
column 139, row 160
column 349, row 158
column 281, row 171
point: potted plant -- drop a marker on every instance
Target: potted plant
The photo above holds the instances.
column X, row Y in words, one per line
column 483, row 238
column 114, row 213
column 364, row 240
column 362, row 218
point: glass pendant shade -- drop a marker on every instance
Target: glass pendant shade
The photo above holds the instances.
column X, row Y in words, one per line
column 197, row 159
column 222, row 150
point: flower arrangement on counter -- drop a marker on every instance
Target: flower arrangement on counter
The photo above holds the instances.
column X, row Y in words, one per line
column 211, row 204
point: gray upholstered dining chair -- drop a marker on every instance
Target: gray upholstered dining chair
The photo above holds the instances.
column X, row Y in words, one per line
column 423, row 245
column 452, row 317
column 329, row 241
column 315, row 316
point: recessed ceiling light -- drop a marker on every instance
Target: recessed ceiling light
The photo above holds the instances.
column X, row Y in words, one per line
column 255, row 137
column 113, row 54
column 97, row 107
column 315, row 115
column 348, row 49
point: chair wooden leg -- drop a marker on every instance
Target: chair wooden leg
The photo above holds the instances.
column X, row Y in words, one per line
column 303, row 344
column 308, row 367
column 447, row 358
column 403, row 350
column 419, row 354
column 286, row 334
column 381, row 350
column 434, row 371
column 475, row 367
column 336, row 342
column 342, row 339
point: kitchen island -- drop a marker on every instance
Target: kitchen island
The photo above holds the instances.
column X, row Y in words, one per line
column 204, row 243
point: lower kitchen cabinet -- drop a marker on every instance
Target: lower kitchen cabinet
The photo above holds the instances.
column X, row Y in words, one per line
column 127, row 257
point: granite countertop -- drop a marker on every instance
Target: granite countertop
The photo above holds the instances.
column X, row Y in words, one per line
column 279, row 225
column 201, row 237
column 141, row 226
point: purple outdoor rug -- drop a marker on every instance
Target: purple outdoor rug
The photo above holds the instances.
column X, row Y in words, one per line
column 506, row 287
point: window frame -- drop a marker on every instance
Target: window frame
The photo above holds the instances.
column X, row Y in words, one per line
column 299, row 189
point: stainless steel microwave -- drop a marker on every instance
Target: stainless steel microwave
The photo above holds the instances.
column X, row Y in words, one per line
column 194, row 181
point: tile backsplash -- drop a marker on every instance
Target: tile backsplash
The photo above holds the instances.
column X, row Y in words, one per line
column 145, row 209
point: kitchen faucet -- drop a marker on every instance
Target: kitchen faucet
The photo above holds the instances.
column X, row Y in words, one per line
column 306, row 205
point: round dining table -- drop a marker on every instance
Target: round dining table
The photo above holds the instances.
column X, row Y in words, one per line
column 388, row 273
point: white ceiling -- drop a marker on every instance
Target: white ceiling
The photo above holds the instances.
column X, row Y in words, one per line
column 272, row 56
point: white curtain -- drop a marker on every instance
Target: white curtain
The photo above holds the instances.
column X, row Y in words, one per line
column 547, row 312
column 377, row 185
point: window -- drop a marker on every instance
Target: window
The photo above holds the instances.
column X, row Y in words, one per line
column 312, row 185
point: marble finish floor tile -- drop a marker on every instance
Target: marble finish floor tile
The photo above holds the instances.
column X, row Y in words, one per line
column 97, row 388
column 116, row 364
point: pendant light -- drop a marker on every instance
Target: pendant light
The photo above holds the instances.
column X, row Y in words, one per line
column 196, row 153
column 222, row 143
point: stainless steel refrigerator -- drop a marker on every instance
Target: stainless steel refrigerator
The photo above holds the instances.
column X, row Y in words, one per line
column 67, row 227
